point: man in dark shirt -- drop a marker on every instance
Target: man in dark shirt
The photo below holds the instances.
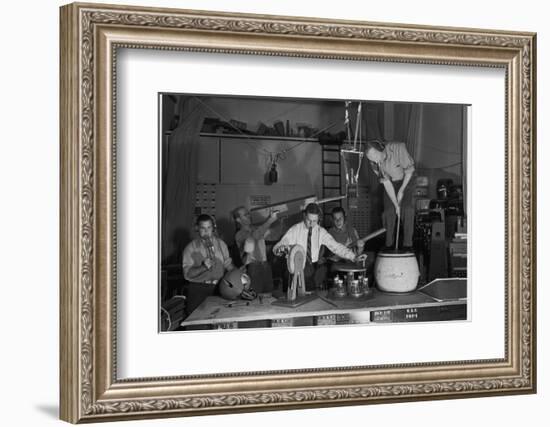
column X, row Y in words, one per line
column 343, row 232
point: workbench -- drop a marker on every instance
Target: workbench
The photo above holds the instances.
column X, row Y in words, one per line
column 443, row 299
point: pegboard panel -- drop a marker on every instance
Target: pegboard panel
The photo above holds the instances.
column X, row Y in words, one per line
column 360, row 216
column 205, row 199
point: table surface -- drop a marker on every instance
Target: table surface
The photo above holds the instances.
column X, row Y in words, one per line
column 216, row 310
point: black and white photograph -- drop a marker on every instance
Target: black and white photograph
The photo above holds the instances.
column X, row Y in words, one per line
column 291, row 212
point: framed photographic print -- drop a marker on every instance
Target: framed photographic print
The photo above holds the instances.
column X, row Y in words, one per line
column 344, row 210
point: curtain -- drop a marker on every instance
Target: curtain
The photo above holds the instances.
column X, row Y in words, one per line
column 413, row 139
column 408, row 123
column 180, row 155
column 373, row 119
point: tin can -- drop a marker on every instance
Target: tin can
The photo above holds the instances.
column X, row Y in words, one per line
column 355, row 289
column 365, row 286
column 339, row 288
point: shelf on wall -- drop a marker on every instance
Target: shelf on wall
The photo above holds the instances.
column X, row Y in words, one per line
column 262, row 137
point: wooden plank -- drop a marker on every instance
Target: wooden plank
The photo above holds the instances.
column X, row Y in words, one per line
column 215, row 310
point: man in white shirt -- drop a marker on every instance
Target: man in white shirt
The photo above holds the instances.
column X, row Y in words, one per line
column 311, row 236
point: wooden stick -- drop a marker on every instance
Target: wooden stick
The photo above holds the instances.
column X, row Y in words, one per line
column 397, row 234
column 280, row 204
column 368, row 237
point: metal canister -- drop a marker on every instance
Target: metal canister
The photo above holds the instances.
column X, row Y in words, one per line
column 349, row 278
column 339, row 288
column 354, row 289
column 365, row 286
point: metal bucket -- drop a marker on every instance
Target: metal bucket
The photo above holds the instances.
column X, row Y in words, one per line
column 396, row 271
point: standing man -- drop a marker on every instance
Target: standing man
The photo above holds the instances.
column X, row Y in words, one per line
column 343, row 233
column 311, row 236
column 394, row 166
column 251, row 243
column 205, row 261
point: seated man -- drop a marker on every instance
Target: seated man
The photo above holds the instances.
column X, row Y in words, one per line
column 311, row 236
column 205, row 261
column 251, row 243
column 344, row 233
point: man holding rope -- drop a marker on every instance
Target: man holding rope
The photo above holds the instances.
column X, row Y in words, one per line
column 394, row 166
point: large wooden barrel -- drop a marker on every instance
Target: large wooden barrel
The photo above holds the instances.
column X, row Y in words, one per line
column 396, row 271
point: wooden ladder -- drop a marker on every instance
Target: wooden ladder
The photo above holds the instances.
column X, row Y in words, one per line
column 332, row 179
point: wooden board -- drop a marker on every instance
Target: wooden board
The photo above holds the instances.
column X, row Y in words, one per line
column 216, row 310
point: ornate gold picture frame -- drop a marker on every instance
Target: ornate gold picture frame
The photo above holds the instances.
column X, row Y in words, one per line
column 91, row 36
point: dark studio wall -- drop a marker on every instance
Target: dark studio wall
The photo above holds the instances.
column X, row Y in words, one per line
column 239, row 166
column 230, row 170
column 236, row 167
